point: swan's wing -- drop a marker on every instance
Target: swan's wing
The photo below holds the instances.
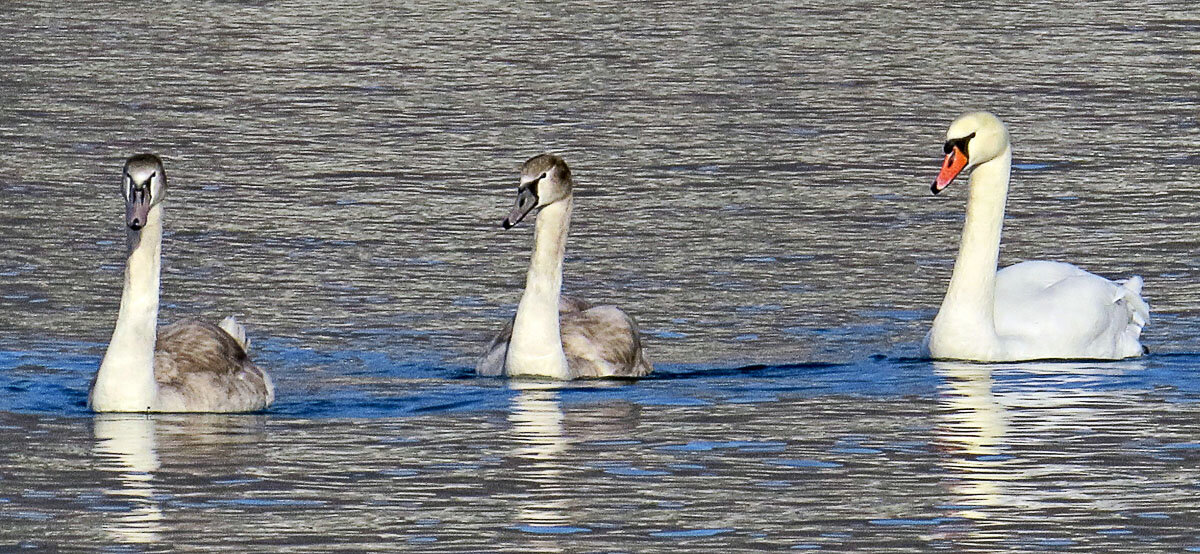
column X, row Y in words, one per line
column 1070, row 311
column 1021, row 296
column 603, row 342
column 491, row 364
column 201, row 367
column 568, row 304
column 1026, row 279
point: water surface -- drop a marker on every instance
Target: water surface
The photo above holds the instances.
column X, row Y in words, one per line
column 753, row 189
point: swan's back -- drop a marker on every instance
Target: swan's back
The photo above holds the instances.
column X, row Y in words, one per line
column 201, row 367
column 600, row 341
column 603, row 342
column 1057, row 310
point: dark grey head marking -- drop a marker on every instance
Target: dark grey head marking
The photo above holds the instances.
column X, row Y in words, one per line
column 532, row 186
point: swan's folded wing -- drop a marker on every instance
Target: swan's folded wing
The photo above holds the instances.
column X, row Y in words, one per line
column 491, row 364
column 200, row 367
column 1080, row 316
column 195, row 346
column 568, row 304
column 603, row 342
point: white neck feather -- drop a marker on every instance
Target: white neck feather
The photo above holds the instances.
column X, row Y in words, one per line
column 967, row 315
column 125, row 381
column 536, row 345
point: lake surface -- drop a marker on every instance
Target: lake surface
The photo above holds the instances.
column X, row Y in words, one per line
column 753, row 188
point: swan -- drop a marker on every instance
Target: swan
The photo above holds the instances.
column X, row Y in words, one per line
column 553, row 336
column 189, row 366
column 1027, row 311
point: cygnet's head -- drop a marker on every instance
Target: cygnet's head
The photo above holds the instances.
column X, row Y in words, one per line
column 144, row 184
column 974, row 138
column 545, row 179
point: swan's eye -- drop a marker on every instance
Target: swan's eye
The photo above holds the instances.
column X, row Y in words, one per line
column 960, row 143
column 146, row 185
column 533, row 185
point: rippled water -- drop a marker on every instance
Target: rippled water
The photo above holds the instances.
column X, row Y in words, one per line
column 753, row 189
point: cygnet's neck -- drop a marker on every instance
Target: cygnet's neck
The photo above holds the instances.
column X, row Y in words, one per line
column 536, row 345
column 125, row 381
column 969, row 306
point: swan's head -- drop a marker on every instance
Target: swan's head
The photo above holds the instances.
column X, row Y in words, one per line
column 545, row 179
column 972, row 139
column 144, row 184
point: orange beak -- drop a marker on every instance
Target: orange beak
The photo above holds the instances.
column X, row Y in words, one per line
column 953, row 165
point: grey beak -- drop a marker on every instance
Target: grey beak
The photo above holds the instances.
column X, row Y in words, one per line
column 527, row 200
column 137, row 208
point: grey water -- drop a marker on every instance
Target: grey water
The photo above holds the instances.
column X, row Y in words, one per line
column 754, row 189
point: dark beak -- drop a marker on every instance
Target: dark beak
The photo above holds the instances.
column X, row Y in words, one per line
column 137, row 208
column 527, row 200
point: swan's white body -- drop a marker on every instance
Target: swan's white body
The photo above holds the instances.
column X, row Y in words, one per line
column 553, row 336
column 188, row 366
column 1027, row 311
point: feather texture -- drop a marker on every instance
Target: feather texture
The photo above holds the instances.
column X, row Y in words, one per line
column 553, row 335
column 1027, row 311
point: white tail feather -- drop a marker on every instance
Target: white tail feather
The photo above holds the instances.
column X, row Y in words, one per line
column 1133, row 283
column 235, row 330
column 1131, row 292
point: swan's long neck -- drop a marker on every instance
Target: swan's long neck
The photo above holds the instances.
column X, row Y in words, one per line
column 125, row 381
column 969, row 306
column 536, row 346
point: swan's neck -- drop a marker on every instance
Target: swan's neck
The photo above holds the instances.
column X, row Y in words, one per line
column 969, row 306
column 536, row 346
column 125, row 381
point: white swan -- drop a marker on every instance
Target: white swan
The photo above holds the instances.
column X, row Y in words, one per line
column 186, row 367
column 1027, row 311
column 554, row 336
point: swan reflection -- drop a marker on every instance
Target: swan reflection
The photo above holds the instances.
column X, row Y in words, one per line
column 1003, row 440
column 537, row 420
column 545, row 462
column 125, row 446
column 974, row 426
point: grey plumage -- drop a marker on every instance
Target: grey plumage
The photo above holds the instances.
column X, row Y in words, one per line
column 199, row 367
column 186, row 367
column 603, row 342
column 600, row 341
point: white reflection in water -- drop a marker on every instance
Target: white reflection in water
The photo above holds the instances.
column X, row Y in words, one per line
column 976, row 424
column 125, row 445
column 537, row 419
column 1009, row 446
